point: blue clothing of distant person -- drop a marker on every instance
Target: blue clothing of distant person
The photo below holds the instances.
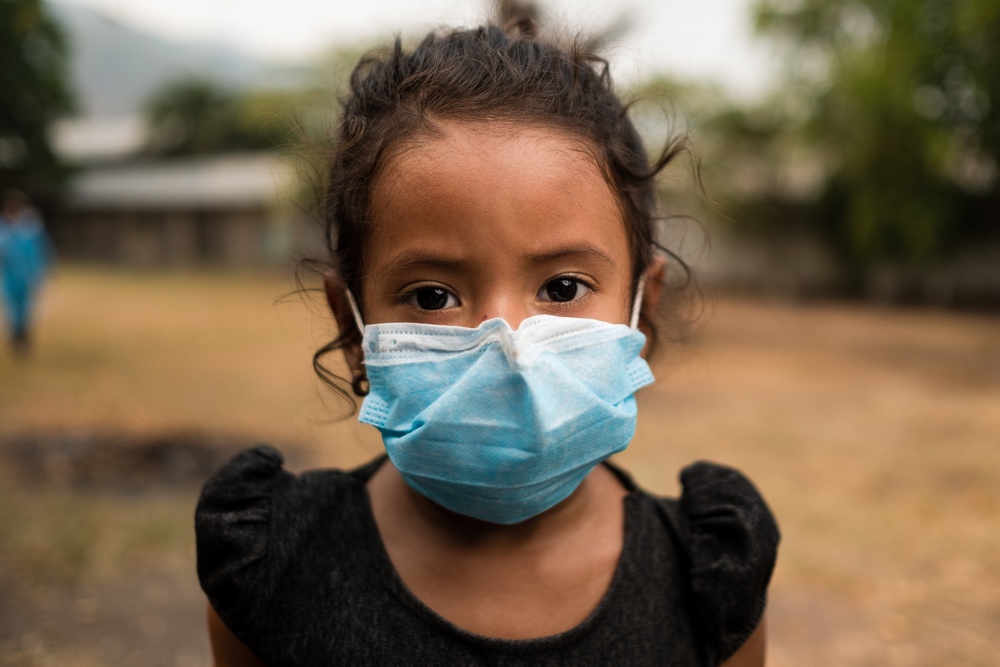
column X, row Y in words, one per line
column 25, row 258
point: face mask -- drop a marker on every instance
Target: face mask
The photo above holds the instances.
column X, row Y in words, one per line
column 502, row 424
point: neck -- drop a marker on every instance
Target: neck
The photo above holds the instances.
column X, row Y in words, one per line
column 583, row 505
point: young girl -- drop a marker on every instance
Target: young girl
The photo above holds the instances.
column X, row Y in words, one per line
column 491, row 213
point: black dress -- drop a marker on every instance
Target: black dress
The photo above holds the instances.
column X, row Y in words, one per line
column 296, row 569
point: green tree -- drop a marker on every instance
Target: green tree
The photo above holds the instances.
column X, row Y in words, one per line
column 902, row 100
column 33, row 92
column 194, row 116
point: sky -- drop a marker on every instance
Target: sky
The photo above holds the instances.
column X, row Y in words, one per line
column 693, row 40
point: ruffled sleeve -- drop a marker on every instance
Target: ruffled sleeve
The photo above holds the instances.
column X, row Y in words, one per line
column 731, row 540
column 233, row 530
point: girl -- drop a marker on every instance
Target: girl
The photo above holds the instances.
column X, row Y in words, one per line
column 491, row 212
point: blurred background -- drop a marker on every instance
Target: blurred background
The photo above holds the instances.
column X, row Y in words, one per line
column 846, row 355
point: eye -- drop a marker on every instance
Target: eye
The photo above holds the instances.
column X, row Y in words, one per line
column 431, row 298
column 562, row 290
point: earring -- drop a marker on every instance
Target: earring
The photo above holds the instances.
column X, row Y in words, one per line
column 359, row 383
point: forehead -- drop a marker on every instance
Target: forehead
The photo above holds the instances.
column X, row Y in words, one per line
column 472, row 188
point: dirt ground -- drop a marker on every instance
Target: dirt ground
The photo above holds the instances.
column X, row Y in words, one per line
column 873, row 434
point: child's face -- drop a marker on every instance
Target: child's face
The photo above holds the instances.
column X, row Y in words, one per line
column 490, row 220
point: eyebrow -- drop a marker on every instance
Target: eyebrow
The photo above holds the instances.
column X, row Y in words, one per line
column 412, row 259
column 577, row 250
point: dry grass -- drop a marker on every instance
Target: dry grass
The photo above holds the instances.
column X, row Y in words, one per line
column 873, row 434
column 148, row 353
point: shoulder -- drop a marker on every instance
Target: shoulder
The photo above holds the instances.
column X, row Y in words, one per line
column 728, row 539
column 253, row 521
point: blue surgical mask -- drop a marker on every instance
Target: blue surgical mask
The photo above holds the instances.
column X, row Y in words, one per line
column 502, row 424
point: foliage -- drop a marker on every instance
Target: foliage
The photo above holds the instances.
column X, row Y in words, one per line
column 195, row 116
column 901, row 99
column 35, row 91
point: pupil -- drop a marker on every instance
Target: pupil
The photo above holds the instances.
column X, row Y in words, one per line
column 562, row 290
column 432, row 298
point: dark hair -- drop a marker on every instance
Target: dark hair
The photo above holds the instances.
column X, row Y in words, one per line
column 14, row 196
column 482, row 74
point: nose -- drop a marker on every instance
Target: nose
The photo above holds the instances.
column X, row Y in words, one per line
column 513, row 311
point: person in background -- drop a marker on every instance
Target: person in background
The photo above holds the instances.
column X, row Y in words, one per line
column 25, row 258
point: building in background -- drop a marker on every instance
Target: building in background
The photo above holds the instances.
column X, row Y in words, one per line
column 230, row 210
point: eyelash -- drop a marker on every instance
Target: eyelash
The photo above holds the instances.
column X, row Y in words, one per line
column 409, row 297
column 571, row 302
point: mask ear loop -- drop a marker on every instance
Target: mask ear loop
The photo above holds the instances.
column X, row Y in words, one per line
column 640, row 291
column 355, row 311
column 359, row 382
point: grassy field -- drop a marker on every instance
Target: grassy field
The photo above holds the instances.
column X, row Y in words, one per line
column 874, row 434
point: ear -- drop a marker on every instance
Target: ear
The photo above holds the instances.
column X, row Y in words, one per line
column 336, row 297
column 656, row 276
